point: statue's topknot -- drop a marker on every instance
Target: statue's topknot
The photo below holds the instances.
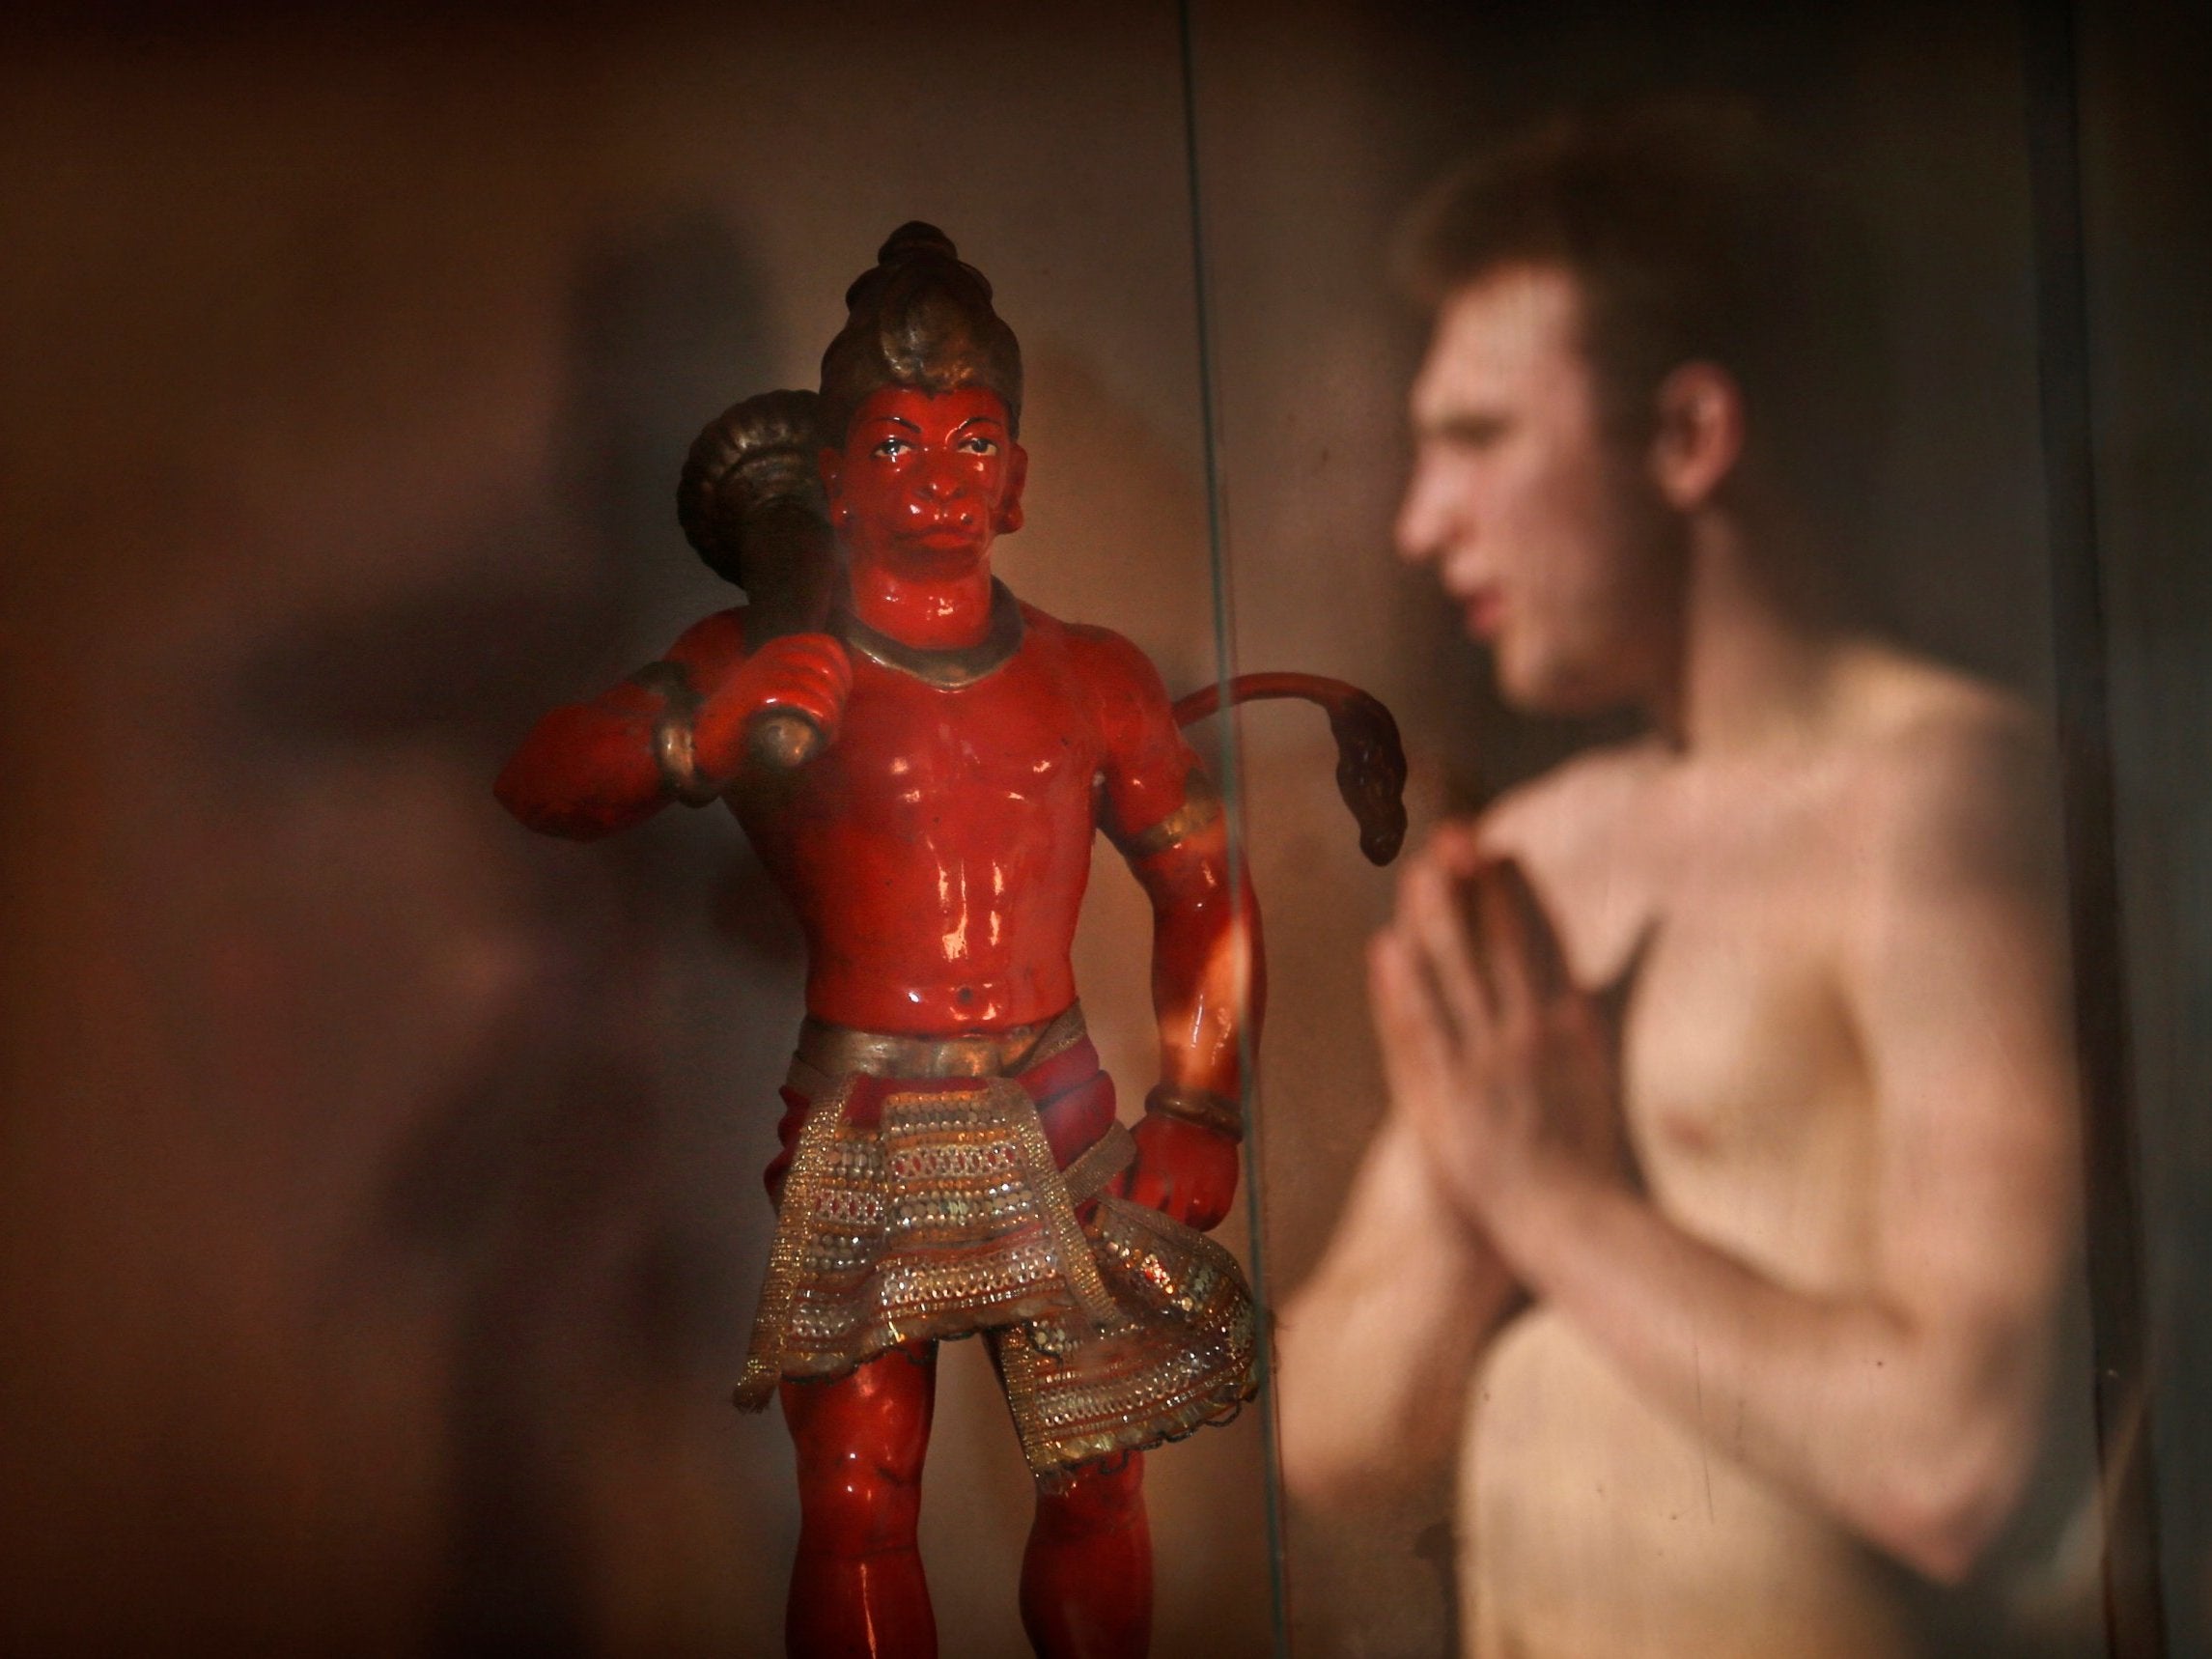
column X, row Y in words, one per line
column 920, row 318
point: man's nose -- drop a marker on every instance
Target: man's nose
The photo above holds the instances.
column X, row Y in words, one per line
column 1424, row 520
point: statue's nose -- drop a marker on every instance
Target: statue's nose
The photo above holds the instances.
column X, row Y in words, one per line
column 942, row 481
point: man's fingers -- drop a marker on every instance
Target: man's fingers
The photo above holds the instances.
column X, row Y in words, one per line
column 1546, row 958
column 1416, row 1051
column 1519, row 954
column 1501, row 946
column 1456, row 847
column 1431, row 920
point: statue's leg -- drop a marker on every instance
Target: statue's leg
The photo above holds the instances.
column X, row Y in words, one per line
column 856, row 1590
column 1086, row 1577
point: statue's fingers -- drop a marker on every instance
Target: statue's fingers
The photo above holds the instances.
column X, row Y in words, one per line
column 1144, row 1187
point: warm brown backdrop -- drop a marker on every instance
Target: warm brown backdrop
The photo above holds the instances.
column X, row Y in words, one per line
column 378, row 1213
column 380, row 1188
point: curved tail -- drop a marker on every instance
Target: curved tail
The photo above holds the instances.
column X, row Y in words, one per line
column 1371, row 758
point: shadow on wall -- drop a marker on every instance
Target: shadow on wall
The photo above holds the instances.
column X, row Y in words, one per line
column 394, row 1200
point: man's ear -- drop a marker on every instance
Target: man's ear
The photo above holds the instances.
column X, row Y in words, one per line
column 1008, row 519
column 830, row 464
column 1699, row 436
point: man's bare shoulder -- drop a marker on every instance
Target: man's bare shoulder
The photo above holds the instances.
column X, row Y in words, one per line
column 1572, row 810
column 1891, row 694
column 1945, row 775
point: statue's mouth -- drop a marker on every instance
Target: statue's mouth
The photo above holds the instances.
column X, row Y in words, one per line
column 946, row 535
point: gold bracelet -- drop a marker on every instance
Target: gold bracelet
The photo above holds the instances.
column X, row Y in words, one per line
column 673, row 749
column 1199, row 1106
column 1201, row 805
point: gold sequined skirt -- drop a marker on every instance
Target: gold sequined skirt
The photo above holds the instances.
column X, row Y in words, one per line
column 946, row 1217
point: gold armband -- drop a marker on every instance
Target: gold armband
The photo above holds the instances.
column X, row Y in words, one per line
column 673, row 750
column 1199, row 1106
column 1201, row 806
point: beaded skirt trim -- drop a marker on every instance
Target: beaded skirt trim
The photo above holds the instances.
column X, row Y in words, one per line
column 1176, row 1356
column 948, row 1217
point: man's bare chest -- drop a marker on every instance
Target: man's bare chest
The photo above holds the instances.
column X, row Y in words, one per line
column 1736, row 1035
column 1719, row 924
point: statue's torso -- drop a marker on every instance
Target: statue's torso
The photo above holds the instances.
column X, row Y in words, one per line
column 937, row 852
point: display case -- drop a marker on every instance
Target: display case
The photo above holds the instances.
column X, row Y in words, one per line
column 384, row 1194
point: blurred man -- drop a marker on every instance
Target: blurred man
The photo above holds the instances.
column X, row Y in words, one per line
column 1738, row 1050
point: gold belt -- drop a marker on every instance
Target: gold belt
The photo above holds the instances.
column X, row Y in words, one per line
column 836, row 1051
column 828, row 1053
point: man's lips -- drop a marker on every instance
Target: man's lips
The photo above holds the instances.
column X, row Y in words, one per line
column 1485, row 611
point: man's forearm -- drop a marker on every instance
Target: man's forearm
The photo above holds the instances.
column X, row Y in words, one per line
column 1907, row 1435
column 1377, row 1348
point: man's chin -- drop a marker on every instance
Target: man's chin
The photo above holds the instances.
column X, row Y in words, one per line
column 1553, row 694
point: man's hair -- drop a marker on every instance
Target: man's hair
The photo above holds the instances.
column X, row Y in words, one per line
column 919, row 318
column 1688, row 237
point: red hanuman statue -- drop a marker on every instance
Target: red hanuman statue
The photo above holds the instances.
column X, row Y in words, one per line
column 922, row 762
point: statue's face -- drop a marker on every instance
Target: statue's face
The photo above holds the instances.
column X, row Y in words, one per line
column 926, row 479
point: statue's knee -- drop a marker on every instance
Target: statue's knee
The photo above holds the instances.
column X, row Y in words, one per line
column 860, row 1441
column 1101, row 1497
column 853, row 1505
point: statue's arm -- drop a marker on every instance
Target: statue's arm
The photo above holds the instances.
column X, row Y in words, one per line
column 587, row 770
column 1209, row 981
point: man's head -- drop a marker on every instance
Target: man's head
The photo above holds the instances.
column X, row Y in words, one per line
column 1617, row 305
column 921, row 402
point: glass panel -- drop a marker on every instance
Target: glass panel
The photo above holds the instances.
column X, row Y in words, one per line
column 1618, row 1508
column 2143, row 180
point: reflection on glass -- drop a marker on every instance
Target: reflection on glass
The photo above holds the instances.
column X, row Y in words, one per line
column 1720, row 1223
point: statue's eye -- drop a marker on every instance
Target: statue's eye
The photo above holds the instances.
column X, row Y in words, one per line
column 976, row 444
column 891, row 448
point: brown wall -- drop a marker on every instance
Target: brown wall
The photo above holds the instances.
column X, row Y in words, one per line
column 381, row 1190
column 377, row 1206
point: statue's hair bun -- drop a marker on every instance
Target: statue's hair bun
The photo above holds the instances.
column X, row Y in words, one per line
column 921, row 317
column 913, row 248
column 915, row 240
